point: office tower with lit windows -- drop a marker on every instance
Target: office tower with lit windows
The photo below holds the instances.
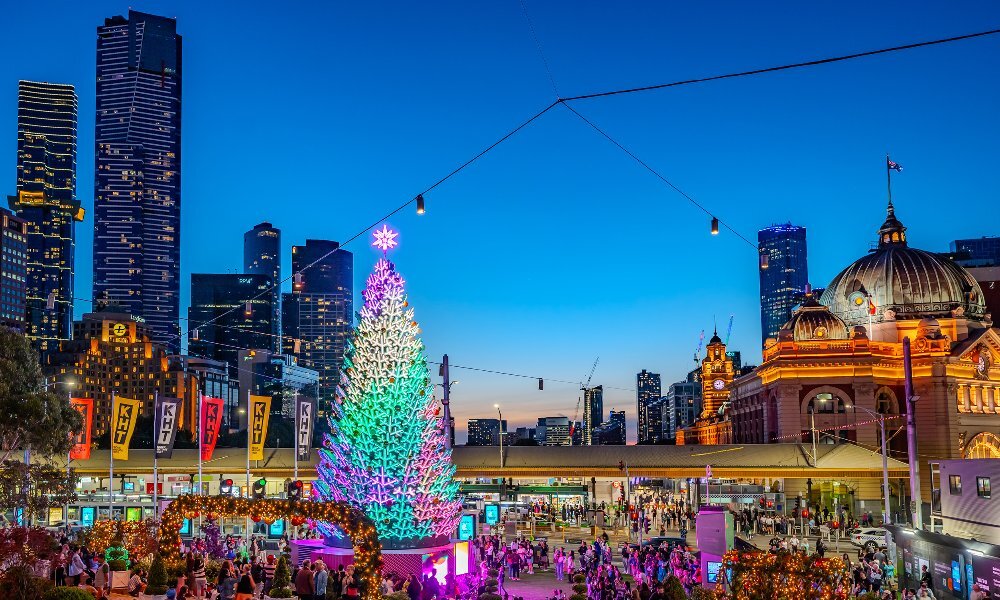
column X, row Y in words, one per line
column 46, row 201
column 647, row 386
column 262, row 256
column 318, row 315
column 486, row 432
column 784, row 280
column 137, row 182
column 13, row 270
column 593, row 412
column 612, row 431
column 229, row 312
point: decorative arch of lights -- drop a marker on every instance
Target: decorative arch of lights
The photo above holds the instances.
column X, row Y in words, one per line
column 983, row 445
column 354, row 522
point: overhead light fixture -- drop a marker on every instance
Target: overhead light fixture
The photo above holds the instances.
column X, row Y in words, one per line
column 715, row 226
column 763, row 260
column 420, row 204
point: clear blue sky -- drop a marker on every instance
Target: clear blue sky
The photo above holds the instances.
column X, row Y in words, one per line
column 555, row 248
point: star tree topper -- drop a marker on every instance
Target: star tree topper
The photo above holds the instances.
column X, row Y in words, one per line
column 385, row 239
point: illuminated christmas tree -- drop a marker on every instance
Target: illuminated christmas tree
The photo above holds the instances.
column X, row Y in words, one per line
column 386, row 452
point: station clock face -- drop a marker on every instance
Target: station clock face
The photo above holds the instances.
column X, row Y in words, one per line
column 119, row 330
column 718, row 384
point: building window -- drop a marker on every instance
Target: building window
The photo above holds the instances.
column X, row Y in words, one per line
column 955, row 485
column 983, row 487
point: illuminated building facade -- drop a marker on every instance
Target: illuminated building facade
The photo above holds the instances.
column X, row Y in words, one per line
column 784, row 281
column 112, row 352
column 485, row 432
column 262, row 256
column 837, row 365
column 229, row 311
column 13, row 270
column 593, row 412
column 137, row 182
column 318, row 315
column 46, row 200
column 717, row 374
column 681, row 406
column 612, row 431
column 649, row 425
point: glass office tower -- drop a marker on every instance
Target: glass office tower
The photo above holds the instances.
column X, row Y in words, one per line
column 137, row 182
column 783, row 282
column 262, row 256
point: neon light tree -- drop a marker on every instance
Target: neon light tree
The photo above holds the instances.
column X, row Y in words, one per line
column 386, row 451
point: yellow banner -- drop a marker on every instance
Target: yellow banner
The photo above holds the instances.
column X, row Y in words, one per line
column 260, row 412
column 123, row 421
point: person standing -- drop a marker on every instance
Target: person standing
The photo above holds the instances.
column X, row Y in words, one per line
column 304, row 587
column 320, row 580
column 76, row 567
column 245, row 586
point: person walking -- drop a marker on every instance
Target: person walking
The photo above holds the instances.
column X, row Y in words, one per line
column 246, row 585
column 304, row 582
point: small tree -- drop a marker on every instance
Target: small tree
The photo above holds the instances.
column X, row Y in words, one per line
column 281, row 584
column 673, row 590
column 157, row 577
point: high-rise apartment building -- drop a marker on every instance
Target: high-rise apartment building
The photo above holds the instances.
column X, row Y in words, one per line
column 681, row 406
column 317, row 316
column 593, row 412
column 486, row 432
column 262, row 256
column 784, row 281
column 13, row 270
column 649, row 427
column 46, row 200
column 137, row 182
column 612, row 431
column 229, row 312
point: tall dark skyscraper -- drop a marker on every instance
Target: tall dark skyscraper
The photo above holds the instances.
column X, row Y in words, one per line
column 647, row 387
column 317, row 316
column 486, row 432
column 593, row 412
column 262, row 256
column 46, row 200
column 784, row 281
column 137, row 182
column 13, row 270
column 228, row 313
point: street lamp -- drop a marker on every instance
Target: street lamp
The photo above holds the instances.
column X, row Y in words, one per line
column 885, row 461
column 500, row 435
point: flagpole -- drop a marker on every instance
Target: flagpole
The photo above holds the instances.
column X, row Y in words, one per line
column 156, row 440
column 111, row 463
column 249, row 418
column 888, row 178
column 295, row 471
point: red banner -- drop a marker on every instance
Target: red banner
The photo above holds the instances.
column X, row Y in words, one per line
column 211, row 422
column 81, row 440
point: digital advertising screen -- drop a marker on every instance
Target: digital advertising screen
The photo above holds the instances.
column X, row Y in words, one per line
column 186, row 527
column 438, row 562
column 133, row 513
column 713, row 571
column 467, row 527
column 492, row 514
column 87, row 516
column 277, row 529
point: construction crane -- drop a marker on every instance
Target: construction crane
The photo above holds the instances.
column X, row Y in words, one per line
column 701, row 342
column 729, row 332
column 579, row 399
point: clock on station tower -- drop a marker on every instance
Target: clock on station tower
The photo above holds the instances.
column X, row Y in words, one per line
column 716, row 375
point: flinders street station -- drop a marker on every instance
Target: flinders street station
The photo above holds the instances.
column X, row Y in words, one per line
column 836, row 367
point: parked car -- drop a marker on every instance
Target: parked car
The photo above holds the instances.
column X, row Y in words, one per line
column 868, row 538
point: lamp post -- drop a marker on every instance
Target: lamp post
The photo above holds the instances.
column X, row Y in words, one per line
column 69, row 383
column 885, row 461
column 500, row 435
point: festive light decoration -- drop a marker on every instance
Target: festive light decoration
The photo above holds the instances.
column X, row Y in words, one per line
column 386, row 452
column 757, row 575
column 136, row 539
column 361, row 529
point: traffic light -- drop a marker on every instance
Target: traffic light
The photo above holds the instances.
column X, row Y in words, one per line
column 259, row 487
column 294, row 490
column 226, row 487
column 798, row 503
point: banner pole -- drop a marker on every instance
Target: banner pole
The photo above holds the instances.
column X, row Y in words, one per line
column 156, row 440
column 111, row 463
column 201, row 434
column 249, row 418
column 295, row 471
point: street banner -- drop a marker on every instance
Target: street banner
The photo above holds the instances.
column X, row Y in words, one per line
column 260, row 412
column 81, row 439
column 167, row 411
column 211, row 422
column 305, row 411
column 123, row 425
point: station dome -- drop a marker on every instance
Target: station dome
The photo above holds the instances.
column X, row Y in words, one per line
column 902, row 283
column 813, row 321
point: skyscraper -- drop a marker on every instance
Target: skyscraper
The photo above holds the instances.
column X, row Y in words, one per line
column 46, row 200
column 612, row 431
column 486, row 432
column 784, row 281
column 647, row 387
column 13, row 270
column 262, row 256
column 229, row 312
column 593, row 412
column 317, row 316
column 137, row 182
column 977, row 252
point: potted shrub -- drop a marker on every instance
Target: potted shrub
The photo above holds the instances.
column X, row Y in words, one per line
column 281, row 585
column 157, row 587
column 491, row 584
column 67, row 593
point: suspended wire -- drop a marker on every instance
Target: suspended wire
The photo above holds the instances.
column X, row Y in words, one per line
column 520, row 375
column 798, row 65
column 646, row 166
column 538, row 46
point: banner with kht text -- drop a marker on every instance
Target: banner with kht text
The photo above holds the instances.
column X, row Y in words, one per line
column 211, row 422
column 260, row 412
column 81, row 439
column 123, row 422
column 305, row 412
column 167, row 411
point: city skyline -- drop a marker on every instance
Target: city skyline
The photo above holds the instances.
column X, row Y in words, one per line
column 656, row 329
